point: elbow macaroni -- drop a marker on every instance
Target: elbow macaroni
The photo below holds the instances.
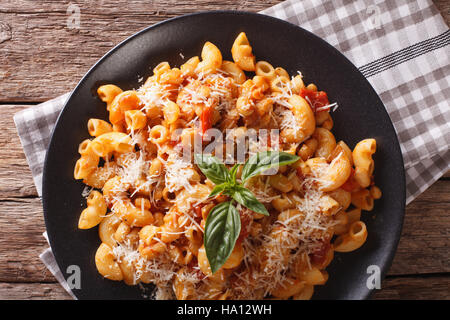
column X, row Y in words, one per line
column 151, row 207
column 242, row 53
column 95, row 211
column 364, row 164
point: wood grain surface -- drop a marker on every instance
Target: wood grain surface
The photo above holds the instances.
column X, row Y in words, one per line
column 40, row 58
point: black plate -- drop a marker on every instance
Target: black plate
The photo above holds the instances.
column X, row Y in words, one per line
column 360, row 115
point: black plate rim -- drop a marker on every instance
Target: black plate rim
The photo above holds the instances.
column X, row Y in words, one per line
column 45, row 198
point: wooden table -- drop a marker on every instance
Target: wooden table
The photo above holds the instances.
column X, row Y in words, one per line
column 40, row 58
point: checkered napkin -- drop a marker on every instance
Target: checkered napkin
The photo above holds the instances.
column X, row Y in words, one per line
column 401, row 47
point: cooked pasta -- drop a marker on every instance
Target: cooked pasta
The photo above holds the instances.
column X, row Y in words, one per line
column 152, row 203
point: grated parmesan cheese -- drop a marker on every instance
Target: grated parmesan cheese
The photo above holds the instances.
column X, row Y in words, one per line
column 178, row 173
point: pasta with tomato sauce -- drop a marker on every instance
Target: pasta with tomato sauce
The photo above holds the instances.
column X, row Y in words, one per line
column 151, row 205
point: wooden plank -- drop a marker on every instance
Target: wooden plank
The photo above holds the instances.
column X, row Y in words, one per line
column 415, row 288
column 22, row 225
column 425, row 240
column 33, row 291
column 160, row 8
column 392, row 288
column 39, row 51
column 423, row 247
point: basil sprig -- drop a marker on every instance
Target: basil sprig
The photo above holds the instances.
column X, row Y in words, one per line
column 223, row 224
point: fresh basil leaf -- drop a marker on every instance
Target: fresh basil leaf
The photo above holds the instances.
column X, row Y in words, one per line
column 265, row 160
column 218, row 189
column 245, row 197
column 222, row 229
column 212, row 168
column 233, row 173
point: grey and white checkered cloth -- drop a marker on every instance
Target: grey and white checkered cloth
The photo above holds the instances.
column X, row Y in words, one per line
column 402, row 47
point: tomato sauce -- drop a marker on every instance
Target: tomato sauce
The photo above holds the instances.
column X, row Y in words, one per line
column 319, row 256
column 206, row 119
column 317, row 99
column 198, row 211
column 246, row 219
